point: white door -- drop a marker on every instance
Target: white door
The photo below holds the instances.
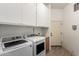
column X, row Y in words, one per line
column 10, row 12
column 42, row 15
column 56, row 33
column 29, row 14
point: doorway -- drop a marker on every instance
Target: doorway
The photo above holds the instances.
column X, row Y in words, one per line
column 56, row 33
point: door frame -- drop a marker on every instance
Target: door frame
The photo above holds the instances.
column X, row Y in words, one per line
column 61, row 30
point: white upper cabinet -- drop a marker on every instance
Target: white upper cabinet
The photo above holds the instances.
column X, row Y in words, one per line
column 42, row 15
column 29, row 14
column 10, row 13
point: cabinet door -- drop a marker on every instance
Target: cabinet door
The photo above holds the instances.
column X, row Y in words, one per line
column 29, row 14
column 10, row 12
column 42, row 15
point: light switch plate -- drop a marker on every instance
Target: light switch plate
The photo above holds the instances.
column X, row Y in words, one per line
column 74, row 27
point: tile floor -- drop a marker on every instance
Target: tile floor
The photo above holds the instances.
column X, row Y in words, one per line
column 58, row 51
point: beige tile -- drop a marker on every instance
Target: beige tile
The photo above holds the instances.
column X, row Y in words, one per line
column 58, row 51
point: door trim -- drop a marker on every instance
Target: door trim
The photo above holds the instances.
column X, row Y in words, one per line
column 61, row 22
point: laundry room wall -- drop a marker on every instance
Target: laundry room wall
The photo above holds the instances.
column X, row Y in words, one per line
column 11, row 29
column 71, row 37
column 57, row 14
column 41, row 30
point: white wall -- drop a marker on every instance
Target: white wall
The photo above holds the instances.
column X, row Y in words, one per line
column 40, row 30
column 71, row 38
column 57, row 14
column 11, row 29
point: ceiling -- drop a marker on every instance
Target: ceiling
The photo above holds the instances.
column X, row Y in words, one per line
column 57, row 5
